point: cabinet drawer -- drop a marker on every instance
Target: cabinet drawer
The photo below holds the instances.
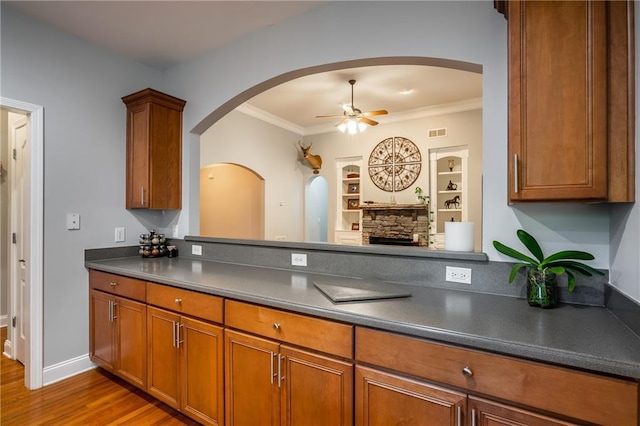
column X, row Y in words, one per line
column 188, row 302
column 314, row 333
column 117, row 284
column 584, row 396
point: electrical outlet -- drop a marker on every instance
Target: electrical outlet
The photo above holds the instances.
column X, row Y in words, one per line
column 458, row 275
column 298, row 259
column 196, row 249
column 120, row 235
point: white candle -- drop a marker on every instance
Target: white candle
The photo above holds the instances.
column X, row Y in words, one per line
column 458, row 236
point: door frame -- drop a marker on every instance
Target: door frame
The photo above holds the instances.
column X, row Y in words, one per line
column 33, row 372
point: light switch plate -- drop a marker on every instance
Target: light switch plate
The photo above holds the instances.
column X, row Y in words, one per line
column 120, row 235
column 73, row 221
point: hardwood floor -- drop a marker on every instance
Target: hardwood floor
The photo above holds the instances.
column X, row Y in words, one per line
column 91, row 398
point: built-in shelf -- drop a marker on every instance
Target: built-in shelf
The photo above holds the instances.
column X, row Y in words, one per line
column 348, row 229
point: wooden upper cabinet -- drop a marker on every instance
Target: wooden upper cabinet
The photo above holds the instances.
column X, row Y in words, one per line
column 154, row 150
column 571, row 101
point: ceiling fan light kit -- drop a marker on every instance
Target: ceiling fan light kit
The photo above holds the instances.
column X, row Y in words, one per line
column 354, row 120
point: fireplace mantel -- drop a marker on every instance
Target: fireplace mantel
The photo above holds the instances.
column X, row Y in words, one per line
column 372, row 208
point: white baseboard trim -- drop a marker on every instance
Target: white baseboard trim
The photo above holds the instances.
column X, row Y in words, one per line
column 66, row 369
column 8, row 349
column 4, row 321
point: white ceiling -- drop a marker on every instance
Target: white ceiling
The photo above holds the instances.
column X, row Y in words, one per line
column 164, row 33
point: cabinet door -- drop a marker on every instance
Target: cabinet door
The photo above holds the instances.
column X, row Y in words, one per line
column 102, row 330
column 384, row 399
column 557, row 100
column 162, row 355
column 201, row 352
column 138, row 156
column 131, row 342
column 251, row 388
column 316, row 390
column 489, row 413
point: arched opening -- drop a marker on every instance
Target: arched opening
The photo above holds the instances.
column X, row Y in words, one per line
column 316, row 208
column 241, row 191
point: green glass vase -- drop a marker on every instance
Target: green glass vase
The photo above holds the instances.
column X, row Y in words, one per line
column 542, row 288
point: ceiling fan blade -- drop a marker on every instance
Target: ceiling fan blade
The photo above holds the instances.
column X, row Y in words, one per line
column 377, row 112
column 368, row 121
column 342, row 122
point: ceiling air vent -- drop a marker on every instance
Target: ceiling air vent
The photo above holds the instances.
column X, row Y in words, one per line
column 437, row 133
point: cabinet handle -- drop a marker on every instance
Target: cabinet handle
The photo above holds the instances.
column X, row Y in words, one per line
column 178, row 301
column 276, row 326
column 173, row 330
column 114, row 306
column 473, row 417
column 178, row 340
column 113, row 285
column 459, row 416
column 515, row 173
column 467, row 372
column 110, row 314
column 272, row 374
column 280, row 376
column 142, row 195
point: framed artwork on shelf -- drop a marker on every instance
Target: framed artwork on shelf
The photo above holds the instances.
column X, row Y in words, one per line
column 353, row 188
column 355, row 226
column 353, row 204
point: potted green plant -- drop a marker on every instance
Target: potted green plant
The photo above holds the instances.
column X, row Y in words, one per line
column 542, row 271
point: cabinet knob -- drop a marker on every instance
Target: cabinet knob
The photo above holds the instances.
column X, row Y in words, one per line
column 113, row 285
column 467, row 372
column 178, row 301
column 276, row 326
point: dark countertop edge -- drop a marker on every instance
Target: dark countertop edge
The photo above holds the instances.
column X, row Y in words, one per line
column 508, row 348
column 369, row 249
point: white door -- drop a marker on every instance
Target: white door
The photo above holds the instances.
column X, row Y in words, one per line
column 19, row 289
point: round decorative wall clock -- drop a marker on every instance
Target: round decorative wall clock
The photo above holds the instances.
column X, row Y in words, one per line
column 395, row 164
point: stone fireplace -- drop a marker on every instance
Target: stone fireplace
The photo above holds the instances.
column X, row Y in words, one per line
column 396, row 224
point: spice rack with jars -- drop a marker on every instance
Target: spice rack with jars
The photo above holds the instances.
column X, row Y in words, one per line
column 153, row 244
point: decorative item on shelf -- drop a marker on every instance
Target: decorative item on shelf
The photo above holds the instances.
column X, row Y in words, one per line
column 353, row 188
column 453, row 219
column 353, row 204
column 452, row 186
column 172, row 251
column 315, row 161
column 452, row 203
column 451, row 164
column 424, row 199
column 153, row 244
column 355, row 226
column 542, row 271
column 353, row 175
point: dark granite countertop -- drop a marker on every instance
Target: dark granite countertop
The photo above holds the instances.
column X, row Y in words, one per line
column 589, row 338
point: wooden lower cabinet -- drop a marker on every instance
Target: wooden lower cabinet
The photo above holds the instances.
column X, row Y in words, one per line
column 268, row 383
column 385, row 399
column 185, row 367
column 118, row 336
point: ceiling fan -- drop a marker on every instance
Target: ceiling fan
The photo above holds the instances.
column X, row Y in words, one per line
column 354, row 120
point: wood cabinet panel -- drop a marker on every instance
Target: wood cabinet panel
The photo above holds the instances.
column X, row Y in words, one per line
column 188, row 302
column 131, row 341
column 154, row 150
column 202, row 366
column 102, row 332
column 117, row 284
column 490, row 413
column 316, row 390
column 385, row 399
column 251, row 398
column 602, row 400
column 162, row 375
column 327, row 336
column 571, row 101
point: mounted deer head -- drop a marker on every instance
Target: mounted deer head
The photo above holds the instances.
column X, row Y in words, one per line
column 315, row 161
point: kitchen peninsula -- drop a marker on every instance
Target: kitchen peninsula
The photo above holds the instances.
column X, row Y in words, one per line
column 478, row 352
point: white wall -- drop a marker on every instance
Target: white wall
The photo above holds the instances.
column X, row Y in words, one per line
column 401, row 29
column 80, row 87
